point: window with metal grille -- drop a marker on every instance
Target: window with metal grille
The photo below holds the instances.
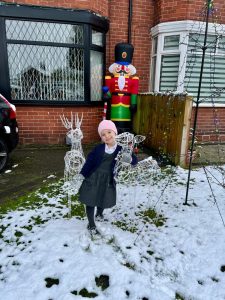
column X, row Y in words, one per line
column 213, row 77
column 51, row 61
column 176, row 62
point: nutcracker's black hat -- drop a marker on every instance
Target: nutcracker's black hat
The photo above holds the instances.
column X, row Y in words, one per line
column 124, row 53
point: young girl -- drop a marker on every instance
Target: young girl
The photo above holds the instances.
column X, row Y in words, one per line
column 98, row 188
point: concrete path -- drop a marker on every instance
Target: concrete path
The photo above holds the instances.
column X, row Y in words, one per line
column 28, row 167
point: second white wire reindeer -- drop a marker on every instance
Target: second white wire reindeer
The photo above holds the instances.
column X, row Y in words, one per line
column 127, row 174
column 74, row 159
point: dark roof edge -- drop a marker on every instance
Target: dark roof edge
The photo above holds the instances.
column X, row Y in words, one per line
column 12, row 10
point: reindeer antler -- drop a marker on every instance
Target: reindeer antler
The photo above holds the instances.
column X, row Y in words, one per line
column 78, row 121
column 67, row 124
column 74, row 120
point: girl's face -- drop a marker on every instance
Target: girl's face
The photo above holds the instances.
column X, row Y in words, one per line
column 108, row 137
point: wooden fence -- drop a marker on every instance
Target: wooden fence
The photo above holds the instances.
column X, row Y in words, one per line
column 165, row 121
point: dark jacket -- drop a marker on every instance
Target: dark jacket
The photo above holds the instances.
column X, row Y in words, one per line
column 95, row 157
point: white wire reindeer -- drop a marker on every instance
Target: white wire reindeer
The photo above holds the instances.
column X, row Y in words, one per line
column 74, row 159
column 127, row 174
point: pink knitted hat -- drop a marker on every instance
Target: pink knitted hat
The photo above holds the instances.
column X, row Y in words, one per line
column 106, row 124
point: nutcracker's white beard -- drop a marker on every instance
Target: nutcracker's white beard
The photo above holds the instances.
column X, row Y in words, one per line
column 121, row 82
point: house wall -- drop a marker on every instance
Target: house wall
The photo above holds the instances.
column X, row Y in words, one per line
column 142, row 21
column 40, row 124
column 177, row 10
column 98, row 6
column 210, row 124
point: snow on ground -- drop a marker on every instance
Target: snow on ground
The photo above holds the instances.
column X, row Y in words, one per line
column 179, row 254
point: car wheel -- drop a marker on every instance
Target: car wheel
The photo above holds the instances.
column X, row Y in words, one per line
column 4, row 154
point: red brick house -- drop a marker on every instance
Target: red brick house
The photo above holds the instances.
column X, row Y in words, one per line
column 54, row 55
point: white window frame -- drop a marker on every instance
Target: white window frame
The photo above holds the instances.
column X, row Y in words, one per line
column 181, row 28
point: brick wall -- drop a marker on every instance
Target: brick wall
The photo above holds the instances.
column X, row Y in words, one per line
column 210, row 124
column 142, row 21
column 98, row 6
column 176, row 10
column 42, row 125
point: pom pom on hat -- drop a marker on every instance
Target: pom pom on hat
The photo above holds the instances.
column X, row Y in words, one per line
column 106, row 124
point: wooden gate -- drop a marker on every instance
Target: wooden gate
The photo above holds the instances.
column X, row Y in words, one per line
column 165, row 121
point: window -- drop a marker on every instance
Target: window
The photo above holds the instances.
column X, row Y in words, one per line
column 153, row 64
column 177, row 61
column 49, row 61
column 214, row 67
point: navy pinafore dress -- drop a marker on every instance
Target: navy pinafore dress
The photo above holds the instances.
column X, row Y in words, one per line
column 99, row 189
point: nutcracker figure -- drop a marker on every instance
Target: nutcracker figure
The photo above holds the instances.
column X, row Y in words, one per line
column 121, row 89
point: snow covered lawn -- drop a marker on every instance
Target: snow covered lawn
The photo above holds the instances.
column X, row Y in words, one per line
column 159, row 248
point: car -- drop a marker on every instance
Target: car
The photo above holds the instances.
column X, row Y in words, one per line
column 9, row 132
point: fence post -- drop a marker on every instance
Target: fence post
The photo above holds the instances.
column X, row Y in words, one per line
column 186, row 131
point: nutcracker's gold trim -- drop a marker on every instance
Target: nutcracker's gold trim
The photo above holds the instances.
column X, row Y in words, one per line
column 120, row 104
column 118, row 75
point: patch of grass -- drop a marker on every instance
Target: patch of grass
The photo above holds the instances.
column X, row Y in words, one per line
column 26, row 202
column 52, row 189
column 222, row 269
column 150, row 252
column 129, row 266
column 51, row 281
column 181, row 183
column 39, row 198
column 38, row 220
column 74, row 292
column 28, row 227
column 178, row 297
column 124, row 226
column 102, row 281
column 151, row 216
column 84, row 293
column 215, row 279
column 158, row 258
column 2, row 229
column 77, row 208
column 200, row 282
column 168, row 170
column 15, row 263
column 18, row 234
column 31, row 200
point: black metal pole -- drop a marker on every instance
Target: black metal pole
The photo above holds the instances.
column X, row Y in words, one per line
column 130, row 21
column 204, row 47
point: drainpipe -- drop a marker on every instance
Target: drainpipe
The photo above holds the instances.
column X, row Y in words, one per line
column 130, row 21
